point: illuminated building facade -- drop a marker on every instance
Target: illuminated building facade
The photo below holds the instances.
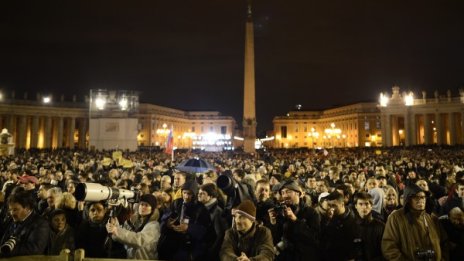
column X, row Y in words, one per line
column 356, row 125
column 407, row 120
column 48, row 123
column 397, row 120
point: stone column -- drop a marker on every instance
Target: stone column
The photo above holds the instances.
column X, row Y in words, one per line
column 11, row 126
column 394, row 131
column 388, row 131
column 72, row 126
column 452, row 128
column 407, row 128
column 48, row 132
column 59, row 134
column 427, row 133
column 22, row 132
column 82, row 133
column 413, row 132
column 34, row 132
column 462, row 127
column 439, row 124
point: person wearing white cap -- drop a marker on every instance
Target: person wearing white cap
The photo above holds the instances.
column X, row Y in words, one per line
column 246, row 240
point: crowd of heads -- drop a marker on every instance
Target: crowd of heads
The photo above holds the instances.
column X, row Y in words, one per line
column 369, row 180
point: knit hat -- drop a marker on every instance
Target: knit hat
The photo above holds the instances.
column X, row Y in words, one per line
column 191, row 186
column 247, row 209
column 292, row 185
column 150, row 200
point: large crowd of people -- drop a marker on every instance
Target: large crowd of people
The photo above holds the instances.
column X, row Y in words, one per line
column 401, row 203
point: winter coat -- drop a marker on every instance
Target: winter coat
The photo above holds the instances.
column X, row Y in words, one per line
column 337, row 237
column 140, row 240
column 218, row 226
column 191, row 245
column 456, row 239
column 369, row 238
column 31, row 236
column 301, row 237
column 256, row 244
column 93, row 238
column 63, row 240
column 402, row 238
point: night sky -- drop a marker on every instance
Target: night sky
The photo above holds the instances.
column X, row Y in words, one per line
column 188, row 54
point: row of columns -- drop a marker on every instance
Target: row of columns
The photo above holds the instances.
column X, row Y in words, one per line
column 454, row 131
column 45, row 131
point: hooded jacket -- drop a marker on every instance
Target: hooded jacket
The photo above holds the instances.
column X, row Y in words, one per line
column 408, row 231
column 192, row 244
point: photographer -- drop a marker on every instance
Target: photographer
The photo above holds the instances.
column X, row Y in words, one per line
column 92, row 235
column 141, row 232
column 411, row 233
column 295, row 226
column 184, row 228
column 26, row 232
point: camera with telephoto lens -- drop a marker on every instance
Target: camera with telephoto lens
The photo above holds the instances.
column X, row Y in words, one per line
column 9, row 245
column 428, row 254
column 94, row 192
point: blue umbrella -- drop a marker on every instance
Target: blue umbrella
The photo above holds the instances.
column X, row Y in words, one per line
column 194, row 165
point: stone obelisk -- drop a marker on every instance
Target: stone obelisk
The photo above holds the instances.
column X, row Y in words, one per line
column 249, row 111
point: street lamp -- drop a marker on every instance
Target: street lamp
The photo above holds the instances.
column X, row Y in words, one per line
column 313, row 134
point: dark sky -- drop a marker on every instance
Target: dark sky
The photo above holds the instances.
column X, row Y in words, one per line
column 188, row 54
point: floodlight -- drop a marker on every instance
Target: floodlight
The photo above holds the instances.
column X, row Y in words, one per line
column 409, row 99
column 123, row 103
column 46, row 99
column 383, row 100
column 100, row 103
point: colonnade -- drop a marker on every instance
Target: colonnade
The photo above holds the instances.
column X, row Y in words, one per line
column 46, row 131
column 427, row 127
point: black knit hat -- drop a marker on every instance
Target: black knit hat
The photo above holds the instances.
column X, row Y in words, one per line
column 246, row 208
column 191, row 186
column 150, row 200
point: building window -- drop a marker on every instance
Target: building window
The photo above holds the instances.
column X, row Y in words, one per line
column 305, row 129
column 211, row 129
column 366, row 125
column 283, row 131
column 223, row 130
column 202, row 129
column 378, row 125
column 193, row 128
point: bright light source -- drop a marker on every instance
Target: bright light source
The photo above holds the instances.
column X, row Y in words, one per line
column 409, row 99
column 383, row 100
column 46, row 99
column 123, row 103
column 100, row 102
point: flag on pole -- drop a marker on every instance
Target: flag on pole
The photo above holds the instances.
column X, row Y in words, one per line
column 170, row 143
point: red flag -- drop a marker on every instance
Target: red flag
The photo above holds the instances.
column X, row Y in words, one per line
column 169, row 143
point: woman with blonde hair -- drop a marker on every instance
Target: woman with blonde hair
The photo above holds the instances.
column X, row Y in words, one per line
column 391, row 201
column 68, row 203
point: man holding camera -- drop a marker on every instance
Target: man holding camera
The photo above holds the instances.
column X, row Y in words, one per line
column 26, row 233
column 411, row 233
column 295, row 226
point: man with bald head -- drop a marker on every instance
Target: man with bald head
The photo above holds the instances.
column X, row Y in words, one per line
column 453, row 224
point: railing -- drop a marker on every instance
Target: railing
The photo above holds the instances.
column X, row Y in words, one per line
column 65, row 255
